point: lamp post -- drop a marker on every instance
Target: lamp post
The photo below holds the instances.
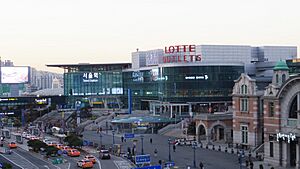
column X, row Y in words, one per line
column 169, row 142
column 194, row 147
column 142, row 139
column 100, row 140
column 113, row 133
column 106, row 126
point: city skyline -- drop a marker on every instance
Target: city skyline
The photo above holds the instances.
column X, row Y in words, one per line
column 36, row 33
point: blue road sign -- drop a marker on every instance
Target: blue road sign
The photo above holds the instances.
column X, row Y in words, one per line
column 129, row 135
column 150, row 167
column 170, row 164
column 141, row 159
column 1, row 165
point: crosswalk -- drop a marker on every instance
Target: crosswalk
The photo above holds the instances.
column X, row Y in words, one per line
column 123, row 164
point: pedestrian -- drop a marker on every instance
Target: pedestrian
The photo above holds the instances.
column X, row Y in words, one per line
column 155, row 153
column 201, row 165
column 272, row 168
column 174, row 147
column 251, row 164
column 261, row 166
column 151, row 140
column 122, row 139
column 159, row 162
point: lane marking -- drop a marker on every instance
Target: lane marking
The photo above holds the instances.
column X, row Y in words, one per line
column 26, row 159
column 46, row 166
column 11, row 161
column 98, row 161
column 69, row 165
column 115, row 162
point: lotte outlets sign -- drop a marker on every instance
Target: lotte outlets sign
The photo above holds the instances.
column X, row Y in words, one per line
column 181, row 53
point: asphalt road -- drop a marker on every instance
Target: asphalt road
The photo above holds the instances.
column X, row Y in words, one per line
column 3, row 159
column 183, row 156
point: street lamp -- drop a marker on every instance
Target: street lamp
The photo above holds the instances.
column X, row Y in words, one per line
column 106, row 126
column 113, row 133
column 169, row 142
column 142, row 139
column 194, row 147
column 100, row 140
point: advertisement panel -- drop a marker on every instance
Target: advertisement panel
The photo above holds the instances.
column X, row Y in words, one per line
column 14, row 75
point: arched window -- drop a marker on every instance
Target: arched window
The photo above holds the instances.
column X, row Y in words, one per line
column 244, row 89
column 293, row 109
column 283, row 78
column 277, row 78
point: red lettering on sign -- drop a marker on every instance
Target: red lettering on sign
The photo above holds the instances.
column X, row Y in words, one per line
column 192, row 48
column 184, row 58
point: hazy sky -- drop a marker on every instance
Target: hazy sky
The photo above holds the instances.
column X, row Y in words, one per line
column 39, row 32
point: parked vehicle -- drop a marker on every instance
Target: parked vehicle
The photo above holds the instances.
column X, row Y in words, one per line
column 12, row 145
column 91, row 157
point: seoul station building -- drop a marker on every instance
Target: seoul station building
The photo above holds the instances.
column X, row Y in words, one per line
column 179, row 78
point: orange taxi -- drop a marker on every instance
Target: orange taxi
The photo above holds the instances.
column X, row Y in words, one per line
column 85, row 163
column 59, row 146
column 73, row 153
column 91, row 158
column 12, row 145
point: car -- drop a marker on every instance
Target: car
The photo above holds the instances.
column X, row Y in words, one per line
column 85, row 163
column 52, row 143
column 12, row 145
column 33, row 138
column 65, row 149
column 91, row 157
column 73, row 153
column 59, row 146
column 104, row 154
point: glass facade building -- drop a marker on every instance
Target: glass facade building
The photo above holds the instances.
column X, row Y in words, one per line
column 181, row 83
column 102, row 84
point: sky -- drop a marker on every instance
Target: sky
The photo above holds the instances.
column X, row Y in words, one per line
column 40, row 32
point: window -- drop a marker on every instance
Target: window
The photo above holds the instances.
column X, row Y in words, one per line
column 244, row 104
column 244, row 130
column 244, row 89
column 271, row 109
column 283, row 78
column 271, row 149
column 277, row 78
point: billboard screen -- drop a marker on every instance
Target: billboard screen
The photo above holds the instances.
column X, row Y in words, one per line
column 14, row 75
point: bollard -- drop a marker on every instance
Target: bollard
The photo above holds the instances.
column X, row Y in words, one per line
column 232, row 151
column 206, row 146
column 219, row 149
column 213, row 147
column 226, row 150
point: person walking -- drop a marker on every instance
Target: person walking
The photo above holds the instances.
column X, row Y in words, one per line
column 122, row 139
column 251, row 164
column 150, row 140
column 201, row 165
column 174, row 147
column 155, row 153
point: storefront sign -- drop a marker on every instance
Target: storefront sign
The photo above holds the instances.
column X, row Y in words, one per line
column 41, row 101
column 198, row 77
column 181, row 53
column 289, row 137
column 137, row 76
column 90, row 77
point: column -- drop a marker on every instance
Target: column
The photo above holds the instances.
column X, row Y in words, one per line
column 190, row 109
column 171, row 112
column 180, row 110
column 154, row 109
column 297, row 156
column 285, row 154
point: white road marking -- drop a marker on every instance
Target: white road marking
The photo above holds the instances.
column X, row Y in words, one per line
column 122, row 164
column 26, row 160
column 11, row 161
column 98, row 161
column 69, row 165
column 46, row 166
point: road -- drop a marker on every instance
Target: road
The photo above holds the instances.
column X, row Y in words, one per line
column 183, row 156
column 4, row 159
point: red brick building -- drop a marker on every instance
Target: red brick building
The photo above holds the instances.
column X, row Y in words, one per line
column 269, row 118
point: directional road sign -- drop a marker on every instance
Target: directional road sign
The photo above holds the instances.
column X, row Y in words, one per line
column 141, row 159
column 129, row 135
column 150, row 167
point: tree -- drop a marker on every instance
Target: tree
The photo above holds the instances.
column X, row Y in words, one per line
column 7, row 166
column 191, row 128
column 51, row 150
column 36, row 145
column 73, row 140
